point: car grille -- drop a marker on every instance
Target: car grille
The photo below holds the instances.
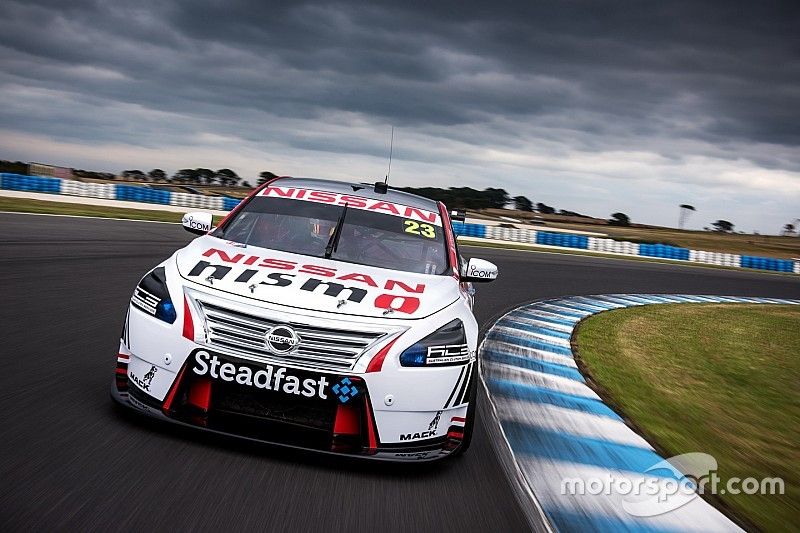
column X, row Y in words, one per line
column 297, row 410
column 244, row 333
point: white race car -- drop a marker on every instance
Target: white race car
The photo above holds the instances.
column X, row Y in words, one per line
column 323, row 315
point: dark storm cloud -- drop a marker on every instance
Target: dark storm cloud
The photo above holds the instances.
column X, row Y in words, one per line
column 739, row 61
column 440, row 64
column 583, row 75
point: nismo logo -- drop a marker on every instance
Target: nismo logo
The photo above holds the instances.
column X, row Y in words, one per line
column 356, row 290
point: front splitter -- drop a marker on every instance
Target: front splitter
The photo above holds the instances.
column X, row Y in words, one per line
column 427, row 453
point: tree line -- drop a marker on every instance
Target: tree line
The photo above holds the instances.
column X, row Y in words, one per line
column 489, row 198
column 189, row 176
column 463, row 197
column 453, row 197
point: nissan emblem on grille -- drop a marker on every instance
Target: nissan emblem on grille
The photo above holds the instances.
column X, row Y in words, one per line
column 281, row 339
column 233, row 330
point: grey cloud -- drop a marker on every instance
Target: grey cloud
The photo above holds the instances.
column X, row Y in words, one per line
column 675, row 78
column 624, row 62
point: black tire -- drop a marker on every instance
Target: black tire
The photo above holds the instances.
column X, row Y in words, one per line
column 472, row 413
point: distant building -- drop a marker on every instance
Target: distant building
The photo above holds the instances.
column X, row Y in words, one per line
column 40, row 169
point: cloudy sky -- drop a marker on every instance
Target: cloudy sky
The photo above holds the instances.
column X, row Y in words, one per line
column 585, row 105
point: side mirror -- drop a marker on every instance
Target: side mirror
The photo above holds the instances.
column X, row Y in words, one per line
column 480, row 271
column 198, row 222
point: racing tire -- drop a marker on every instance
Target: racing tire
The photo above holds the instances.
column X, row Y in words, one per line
column 472, row 414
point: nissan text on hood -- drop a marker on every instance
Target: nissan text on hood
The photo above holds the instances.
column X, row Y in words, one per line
column 322, row 315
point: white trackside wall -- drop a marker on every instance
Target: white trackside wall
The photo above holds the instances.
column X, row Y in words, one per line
column 543, row 236
column 407, row 402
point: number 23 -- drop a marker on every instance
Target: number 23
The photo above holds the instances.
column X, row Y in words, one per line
column 426, row 230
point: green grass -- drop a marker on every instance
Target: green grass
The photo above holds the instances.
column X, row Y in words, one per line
column 24, row 205
column 720, row 379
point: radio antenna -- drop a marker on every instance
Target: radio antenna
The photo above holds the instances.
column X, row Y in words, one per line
column 382, row 188
column 391, row 149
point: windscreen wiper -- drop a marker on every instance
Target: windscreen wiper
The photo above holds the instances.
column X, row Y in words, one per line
column 333, row 242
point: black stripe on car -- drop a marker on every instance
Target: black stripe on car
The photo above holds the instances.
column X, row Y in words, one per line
column 453, row 393
column 462, row 392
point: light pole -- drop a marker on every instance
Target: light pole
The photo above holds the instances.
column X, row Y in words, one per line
column 686, row 209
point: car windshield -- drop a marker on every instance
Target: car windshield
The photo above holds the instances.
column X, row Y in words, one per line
column 412, row 244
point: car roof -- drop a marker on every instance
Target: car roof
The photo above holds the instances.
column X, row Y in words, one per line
column 365, row 190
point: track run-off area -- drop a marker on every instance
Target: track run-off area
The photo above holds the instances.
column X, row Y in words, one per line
column 70, row 461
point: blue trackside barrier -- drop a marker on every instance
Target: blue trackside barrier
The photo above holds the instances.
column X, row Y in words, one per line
column 132, row 193
column 767, row 263
column 462, row 229
column 19, row 182
column 228, row 204
column 664, row 251
column 566, row 240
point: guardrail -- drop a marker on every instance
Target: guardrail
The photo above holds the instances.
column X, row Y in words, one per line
column 115, row 191
column 118, row 191
column 596, row 244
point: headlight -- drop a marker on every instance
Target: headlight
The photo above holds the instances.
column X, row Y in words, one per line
column 447, row 346
column 152, row 297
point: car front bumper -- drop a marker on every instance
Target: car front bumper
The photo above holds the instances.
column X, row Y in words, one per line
column 321, row 426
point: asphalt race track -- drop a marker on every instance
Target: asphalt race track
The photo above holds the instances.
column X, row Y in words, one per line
column 70, row 461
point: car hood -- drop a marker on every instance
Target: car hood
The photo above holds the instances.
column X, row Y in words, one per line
column 312, row 283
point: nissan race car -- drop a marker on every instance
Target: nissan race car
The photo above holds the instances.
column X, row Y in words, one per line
column 318, row 314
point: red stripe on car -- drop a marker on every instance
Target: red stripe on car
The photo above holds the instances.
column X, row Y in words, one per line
column 200, row 394
column 173, row 390
column 371, row 438
column 346, row 422
column 376, row 363
column 188, row 323
column 451, row 240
